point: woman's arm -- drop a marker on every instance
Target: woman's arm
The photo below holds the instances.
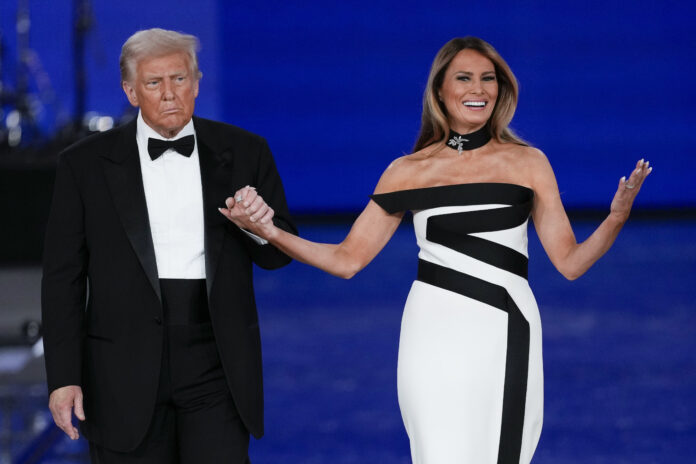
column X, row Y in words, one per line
column 370, row 232
column 368, row 235
column 573, row 259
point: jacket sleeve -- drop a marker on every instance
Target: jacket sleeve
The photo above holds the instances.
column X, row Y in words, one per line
column 64, row 282
column 270, row 187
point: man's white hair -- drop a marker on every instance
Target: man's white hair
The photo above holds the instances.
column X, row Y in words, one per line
column 152, row 43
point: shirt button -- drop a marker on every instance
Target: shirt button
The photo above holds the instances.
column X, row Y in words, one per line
column 158, row 320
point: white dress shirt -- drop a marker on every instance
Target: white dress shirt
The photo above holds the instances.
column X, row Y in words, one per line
column 174, row 197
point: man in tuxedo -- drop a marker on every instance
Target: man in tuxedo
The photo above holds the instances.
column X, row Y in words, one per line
column 151, row 334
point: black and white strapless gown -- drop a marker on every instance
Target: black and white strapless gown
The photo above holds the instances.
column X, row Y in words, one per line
column 470, row 374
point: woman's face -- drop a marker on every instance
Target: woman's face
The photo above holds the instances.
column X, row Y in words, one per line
column 469, row 91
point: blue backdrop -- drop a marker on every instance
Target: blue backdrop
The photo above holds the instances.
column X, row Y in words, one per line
column 336, row 88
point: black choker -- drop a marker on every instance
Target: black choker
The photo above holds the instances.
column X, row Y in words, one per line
column 470, row 141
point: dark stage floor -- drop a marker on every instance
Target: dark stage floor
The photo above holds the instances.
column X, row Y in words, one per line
column 620, row 357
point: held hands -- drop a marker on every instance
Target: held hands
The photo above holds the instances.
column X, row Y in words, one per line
column 249, row 211
column 61, row 404
column 628, row 189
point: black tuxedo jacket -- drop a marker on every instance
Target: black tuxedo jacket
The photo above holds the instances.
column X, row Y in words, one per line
column 101, row 302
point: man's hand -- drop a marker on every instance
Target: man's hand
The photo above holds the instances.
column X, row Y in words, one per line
column 61, row 403
column 249, row 211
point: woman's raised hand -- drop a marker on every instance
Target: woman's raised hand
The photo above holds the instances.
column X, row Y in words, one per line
column 628, row 189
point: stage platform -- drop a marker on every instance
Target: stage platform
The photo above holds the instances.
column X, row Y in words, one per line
column 619, row 351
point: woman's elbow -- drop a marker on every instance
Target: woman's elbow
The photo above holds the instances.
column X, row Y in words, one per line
column 570, row 273
column 569, row 267
column 349, row 269
column 345, row 275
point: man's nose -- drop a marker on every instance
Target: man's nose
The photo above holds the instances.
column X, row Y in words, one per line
column 167, row 90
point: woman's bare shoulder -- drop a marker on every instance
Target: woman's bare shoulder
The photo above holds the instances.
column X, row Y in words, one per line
column 523, row 164
column 524, row 159
column 535, row 168
column 403, row 171
column 523, row 153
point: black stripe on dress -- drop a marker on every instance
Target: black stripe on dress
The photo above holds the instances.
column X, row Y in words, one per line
column 517, row 355
column 478, row 193
column 451, row 231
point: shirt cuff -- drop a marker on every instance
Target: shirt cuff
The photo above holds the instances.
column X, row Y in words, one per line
column 256, row 238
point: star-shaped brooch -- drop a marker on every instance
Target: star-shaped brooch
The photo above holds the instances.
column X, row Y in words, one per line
column 458, row 142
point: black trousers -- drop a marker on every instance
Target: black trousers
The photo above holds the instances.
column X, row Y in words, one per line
column 195, row 419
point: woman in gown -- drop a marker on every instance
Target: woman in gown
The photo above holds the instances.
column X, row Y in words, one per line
column 470, row 380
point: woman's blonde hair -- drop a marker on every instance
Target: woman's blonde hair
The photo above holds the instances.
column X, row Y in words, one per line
column 434, row 125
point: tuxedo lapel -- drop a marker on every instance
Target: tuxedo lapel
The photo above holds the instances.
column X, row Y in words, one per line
column 216, row 170
column 125, row 181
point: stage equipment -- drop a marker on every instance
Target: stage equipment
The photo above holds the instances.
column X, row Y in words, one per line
column 23, row 108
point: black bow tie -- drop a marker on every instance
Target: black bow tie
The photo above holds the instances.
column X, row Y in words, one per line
column 183, row 146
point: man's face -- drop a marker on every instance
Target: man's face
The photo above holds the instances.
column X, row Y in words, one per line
column 165, row 90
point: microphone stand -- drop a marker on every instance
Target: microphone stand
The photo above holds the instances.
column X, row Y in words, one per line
column 82, row 23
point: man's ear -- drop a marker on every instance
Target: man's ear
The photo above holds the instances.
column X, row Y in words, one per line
column 130, row 93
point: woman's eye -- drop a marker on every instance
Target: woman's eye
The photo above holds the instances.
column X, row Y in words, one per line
column 463, row 78
column 489, row 78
